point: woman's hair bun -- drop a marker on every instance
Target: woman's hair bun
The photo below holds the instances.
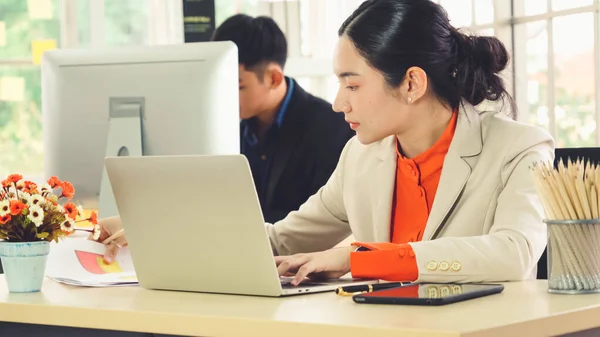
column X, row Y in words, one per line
column 479, row 60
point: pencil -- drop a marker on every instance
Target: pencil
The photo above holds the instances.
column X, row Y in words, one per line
column 116, row 235
column 570, row 197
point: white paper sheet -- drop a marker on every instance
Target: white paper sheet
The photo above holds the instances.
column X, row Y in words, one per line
column 78, row 261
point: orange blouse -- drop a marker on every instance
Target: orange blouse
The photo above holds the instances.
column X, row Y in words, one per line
column 414, row 192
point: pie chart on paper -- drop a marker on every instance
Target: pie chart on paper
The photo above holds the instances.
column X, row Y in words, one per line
column 94, row 263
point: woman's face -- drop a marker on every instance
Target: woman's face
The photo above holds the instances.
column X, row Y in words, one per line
column 372, row 110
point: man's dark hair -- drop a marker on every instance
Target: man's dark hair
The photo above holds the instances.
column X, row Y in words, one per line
column 259, row 41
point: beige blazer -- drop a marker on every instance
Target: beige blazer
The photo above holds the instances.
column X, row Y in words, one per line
column 486, row 222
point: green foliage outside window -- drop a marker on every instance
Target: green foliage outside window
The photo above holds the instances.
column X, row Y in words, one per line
column 20, row 116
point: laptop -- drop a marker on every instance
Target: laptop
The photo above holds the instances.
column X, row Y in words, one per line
column 194, row 223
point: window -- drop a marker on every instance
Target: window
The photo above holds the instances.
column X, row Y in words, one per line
column 531, row 55
column 553, row 72
column 558, row 5
column 574, row 80
column 555, row 68
column 126, row 22
column 26, row 29
column 227, row 8
column 480, row 17
column 101, row 23
column 460, row 12
column 319, row 23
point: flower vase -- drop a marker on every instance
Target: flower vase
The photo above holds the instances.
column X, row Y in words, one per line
column 24, row 265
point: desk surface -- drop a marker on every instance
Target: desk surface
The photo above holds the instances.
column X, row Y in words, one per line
column 523, row 309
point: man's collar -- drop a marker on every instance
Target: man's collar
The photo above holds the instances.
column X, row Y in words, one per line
column 246, row 124
column 286, row 101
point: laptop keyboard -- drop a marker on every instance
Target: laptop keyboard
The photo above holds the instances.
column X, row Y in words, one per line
column 287, row 285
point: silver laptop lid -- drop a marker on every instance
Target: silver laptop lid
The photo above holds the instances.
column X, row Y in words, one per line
column 194, row 223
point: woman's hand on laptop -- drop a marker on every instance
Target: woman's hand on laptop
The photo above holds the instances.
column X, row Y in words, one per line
column 332, row 263
column 108, row 227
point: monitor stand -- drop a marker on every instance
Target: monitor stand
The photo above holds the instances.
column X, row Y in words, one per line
column 124, row 139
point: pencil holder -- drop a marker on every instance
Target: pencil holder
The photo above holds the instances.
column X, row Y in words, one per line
column 573, row 256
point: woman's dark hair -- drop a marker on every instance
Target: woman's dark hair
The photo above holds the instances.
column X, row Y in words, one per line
column 394, row 35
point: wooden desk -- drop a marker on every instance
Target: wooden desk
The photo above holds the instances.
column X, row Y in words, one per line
column 524, row 309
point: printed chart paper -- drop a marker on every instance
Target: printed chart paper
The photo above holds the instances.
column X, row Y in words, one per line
column 78, row 261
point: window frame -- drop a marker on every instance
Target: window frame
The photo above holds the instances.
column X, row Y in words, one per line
column 549, row 17
column 313, row 63
column 166, row 13
column 313, row 66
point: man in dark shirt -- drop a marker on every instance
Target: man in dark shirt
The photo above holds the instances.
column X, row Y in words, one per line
column 291, row 138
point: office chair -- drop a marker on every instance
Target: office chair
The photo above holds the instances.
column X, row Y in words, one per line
column 566, row 154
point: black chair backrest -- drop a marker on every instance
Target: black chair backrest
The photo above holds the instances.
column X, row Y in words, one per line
column 573, row 153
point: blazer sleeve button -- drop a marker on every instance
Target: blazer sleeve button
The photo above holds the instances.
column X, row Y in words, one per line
column 432, row 265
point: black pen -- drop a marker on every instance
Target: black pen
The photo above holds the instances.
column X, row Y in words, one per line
column 368, row 288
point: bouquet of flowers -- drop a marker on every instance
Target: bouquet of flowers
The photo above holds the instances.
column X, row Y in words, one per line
column 29, row 212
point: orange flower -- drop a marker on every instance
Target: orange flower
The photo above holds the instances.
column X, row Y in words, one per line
column 4, row 219
column 14, row 178
column 93, row 218
column 30, row 187
column 71, row 210
column 54, row 182
column 6, row 183
column 68, row 191
column 17, row 207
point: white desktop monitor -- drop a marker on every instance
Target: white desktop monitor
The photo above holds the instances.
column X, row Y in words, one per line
column 151, row 100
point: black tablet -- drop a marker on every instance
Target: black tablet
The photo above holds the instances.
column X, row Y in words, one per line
column 429, row 294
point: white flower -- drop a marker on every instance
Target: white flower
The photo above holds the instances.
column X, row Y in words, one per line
column 25, row 197
column 20, row 184
column 4, row 207
column 80, row 211
column 36, row 215
column 36, row 200
column 68, row 226
column 60, row 208
column 97, row 232
column 46, row 188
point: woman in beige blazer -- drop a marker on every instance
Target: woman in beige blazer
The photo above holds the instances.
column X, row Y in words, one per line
column 409, row 85
column 404, row 71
